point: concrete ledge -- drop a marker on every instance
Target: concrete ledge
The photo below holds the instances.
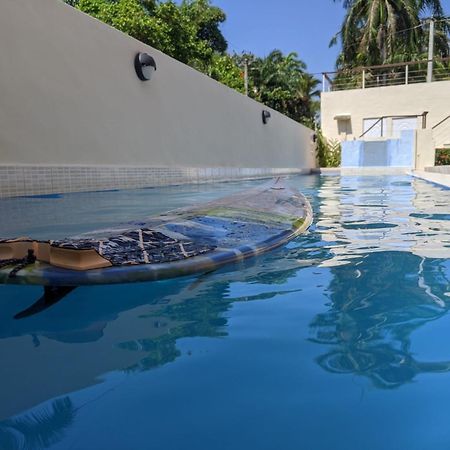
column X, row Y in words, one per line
column 438, row 169
column 18, row 180
column 327, row 170
column 442, row 179
column 376, row 171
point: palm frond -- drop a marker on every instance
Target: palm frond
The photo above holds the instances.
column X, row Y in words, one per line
column 39, row 429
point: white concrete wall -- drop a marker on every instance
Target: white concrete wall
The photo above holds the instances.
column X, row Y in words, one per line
column 383, row 101
column 425, row 149
column 69, row 96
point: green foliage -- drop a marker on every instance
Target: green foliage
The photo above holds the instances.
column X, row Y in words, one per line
column 442, row 157
column 224, row 69
column 280, row 82
column 188, row 32
column 328, row 151
column 126, row 15
column 207, row 19
column 388, row 31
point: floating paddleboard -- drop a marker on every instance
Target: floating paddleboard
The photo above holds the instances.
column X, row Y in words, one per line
column 181, row 242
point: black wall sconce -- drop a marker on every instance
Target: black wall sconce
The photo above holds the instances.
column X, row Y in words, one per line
column 145, row 65
column 265, row 116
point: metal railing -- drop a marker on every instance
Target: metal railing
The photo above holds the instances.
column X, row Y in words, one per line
column 440, row 122
column 380, row 121
column 441, row 133
column 385, row 75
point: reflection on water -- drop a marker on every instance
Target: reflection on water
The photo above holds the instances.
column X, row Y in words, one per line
column 39, row 429
column 376, row 306
column 372, row 272
column 368, row 215
column 133, row 329
column 388, row 278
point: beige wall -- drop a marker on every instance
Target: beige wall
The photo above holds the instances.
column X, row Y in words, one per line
column 384, row 101
column 425, row 149
column 69, row 95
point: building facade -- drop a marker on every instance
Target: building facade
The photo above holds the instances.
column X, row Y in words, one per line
column 382, row 111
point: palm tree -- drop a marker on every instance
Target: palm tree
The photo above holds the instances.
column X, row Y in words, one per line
column 282, row 83
column 275, row 71
column 306, row 98
column 275, row 81
column 383, row 31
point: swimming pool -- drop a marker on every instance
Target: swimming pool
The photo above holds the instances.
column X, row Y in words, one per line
column 338, row 340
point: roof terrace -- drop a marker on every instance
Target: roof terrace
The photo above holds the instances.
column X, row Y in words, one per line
column 405, row 73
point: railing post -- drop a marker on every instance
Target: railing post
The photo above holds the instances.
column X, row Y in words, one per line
column 330, row 82
column 246, row 76
column 364, row 78
column 406, row 74
column 430, row 52
column 424, row 119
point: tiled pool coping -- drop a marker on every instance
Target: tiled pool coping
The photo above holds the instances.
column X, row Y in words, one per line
column 442, row 179
column 18, row 180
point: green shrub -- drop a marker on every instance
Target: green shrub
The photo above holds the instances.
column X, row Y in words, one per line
column 442, row 157
column 328, row 151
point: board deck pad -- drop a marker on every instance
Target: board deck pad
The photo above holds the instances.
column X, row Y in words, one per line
column 200, row 238
column 140, row 246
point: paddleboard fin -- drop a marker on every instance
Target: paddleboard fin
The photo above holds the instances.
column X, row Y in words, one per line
column 52, row 295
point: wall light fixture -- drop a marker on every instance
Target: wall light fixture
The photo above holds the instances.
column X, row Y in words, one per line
column 265, row 116
column 145, row 65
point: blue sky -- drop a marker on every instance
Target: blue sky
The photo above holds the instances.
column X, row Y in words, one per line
column 305, row 27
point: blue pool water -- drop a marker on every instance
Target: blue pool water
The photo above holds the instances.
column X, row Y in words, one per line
column 340, row 340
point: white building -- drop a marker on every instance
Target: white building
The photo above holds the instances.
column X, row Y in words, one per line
column 378, row 103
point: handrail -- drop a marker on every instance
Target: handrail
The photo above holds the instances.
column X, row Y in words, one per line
column 441, row 122
column 391, row 74
column 401, row 116
column 388, row 66
column 379, row 120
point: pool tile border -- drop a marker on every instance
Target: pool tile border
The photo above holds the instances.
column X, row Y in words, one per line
column 19, row 180
column 374, row 170
column 439, row 178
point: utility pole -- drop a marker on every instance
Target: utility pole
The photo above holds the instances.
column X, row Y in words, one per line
column 246, row 76
column 430, row 52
